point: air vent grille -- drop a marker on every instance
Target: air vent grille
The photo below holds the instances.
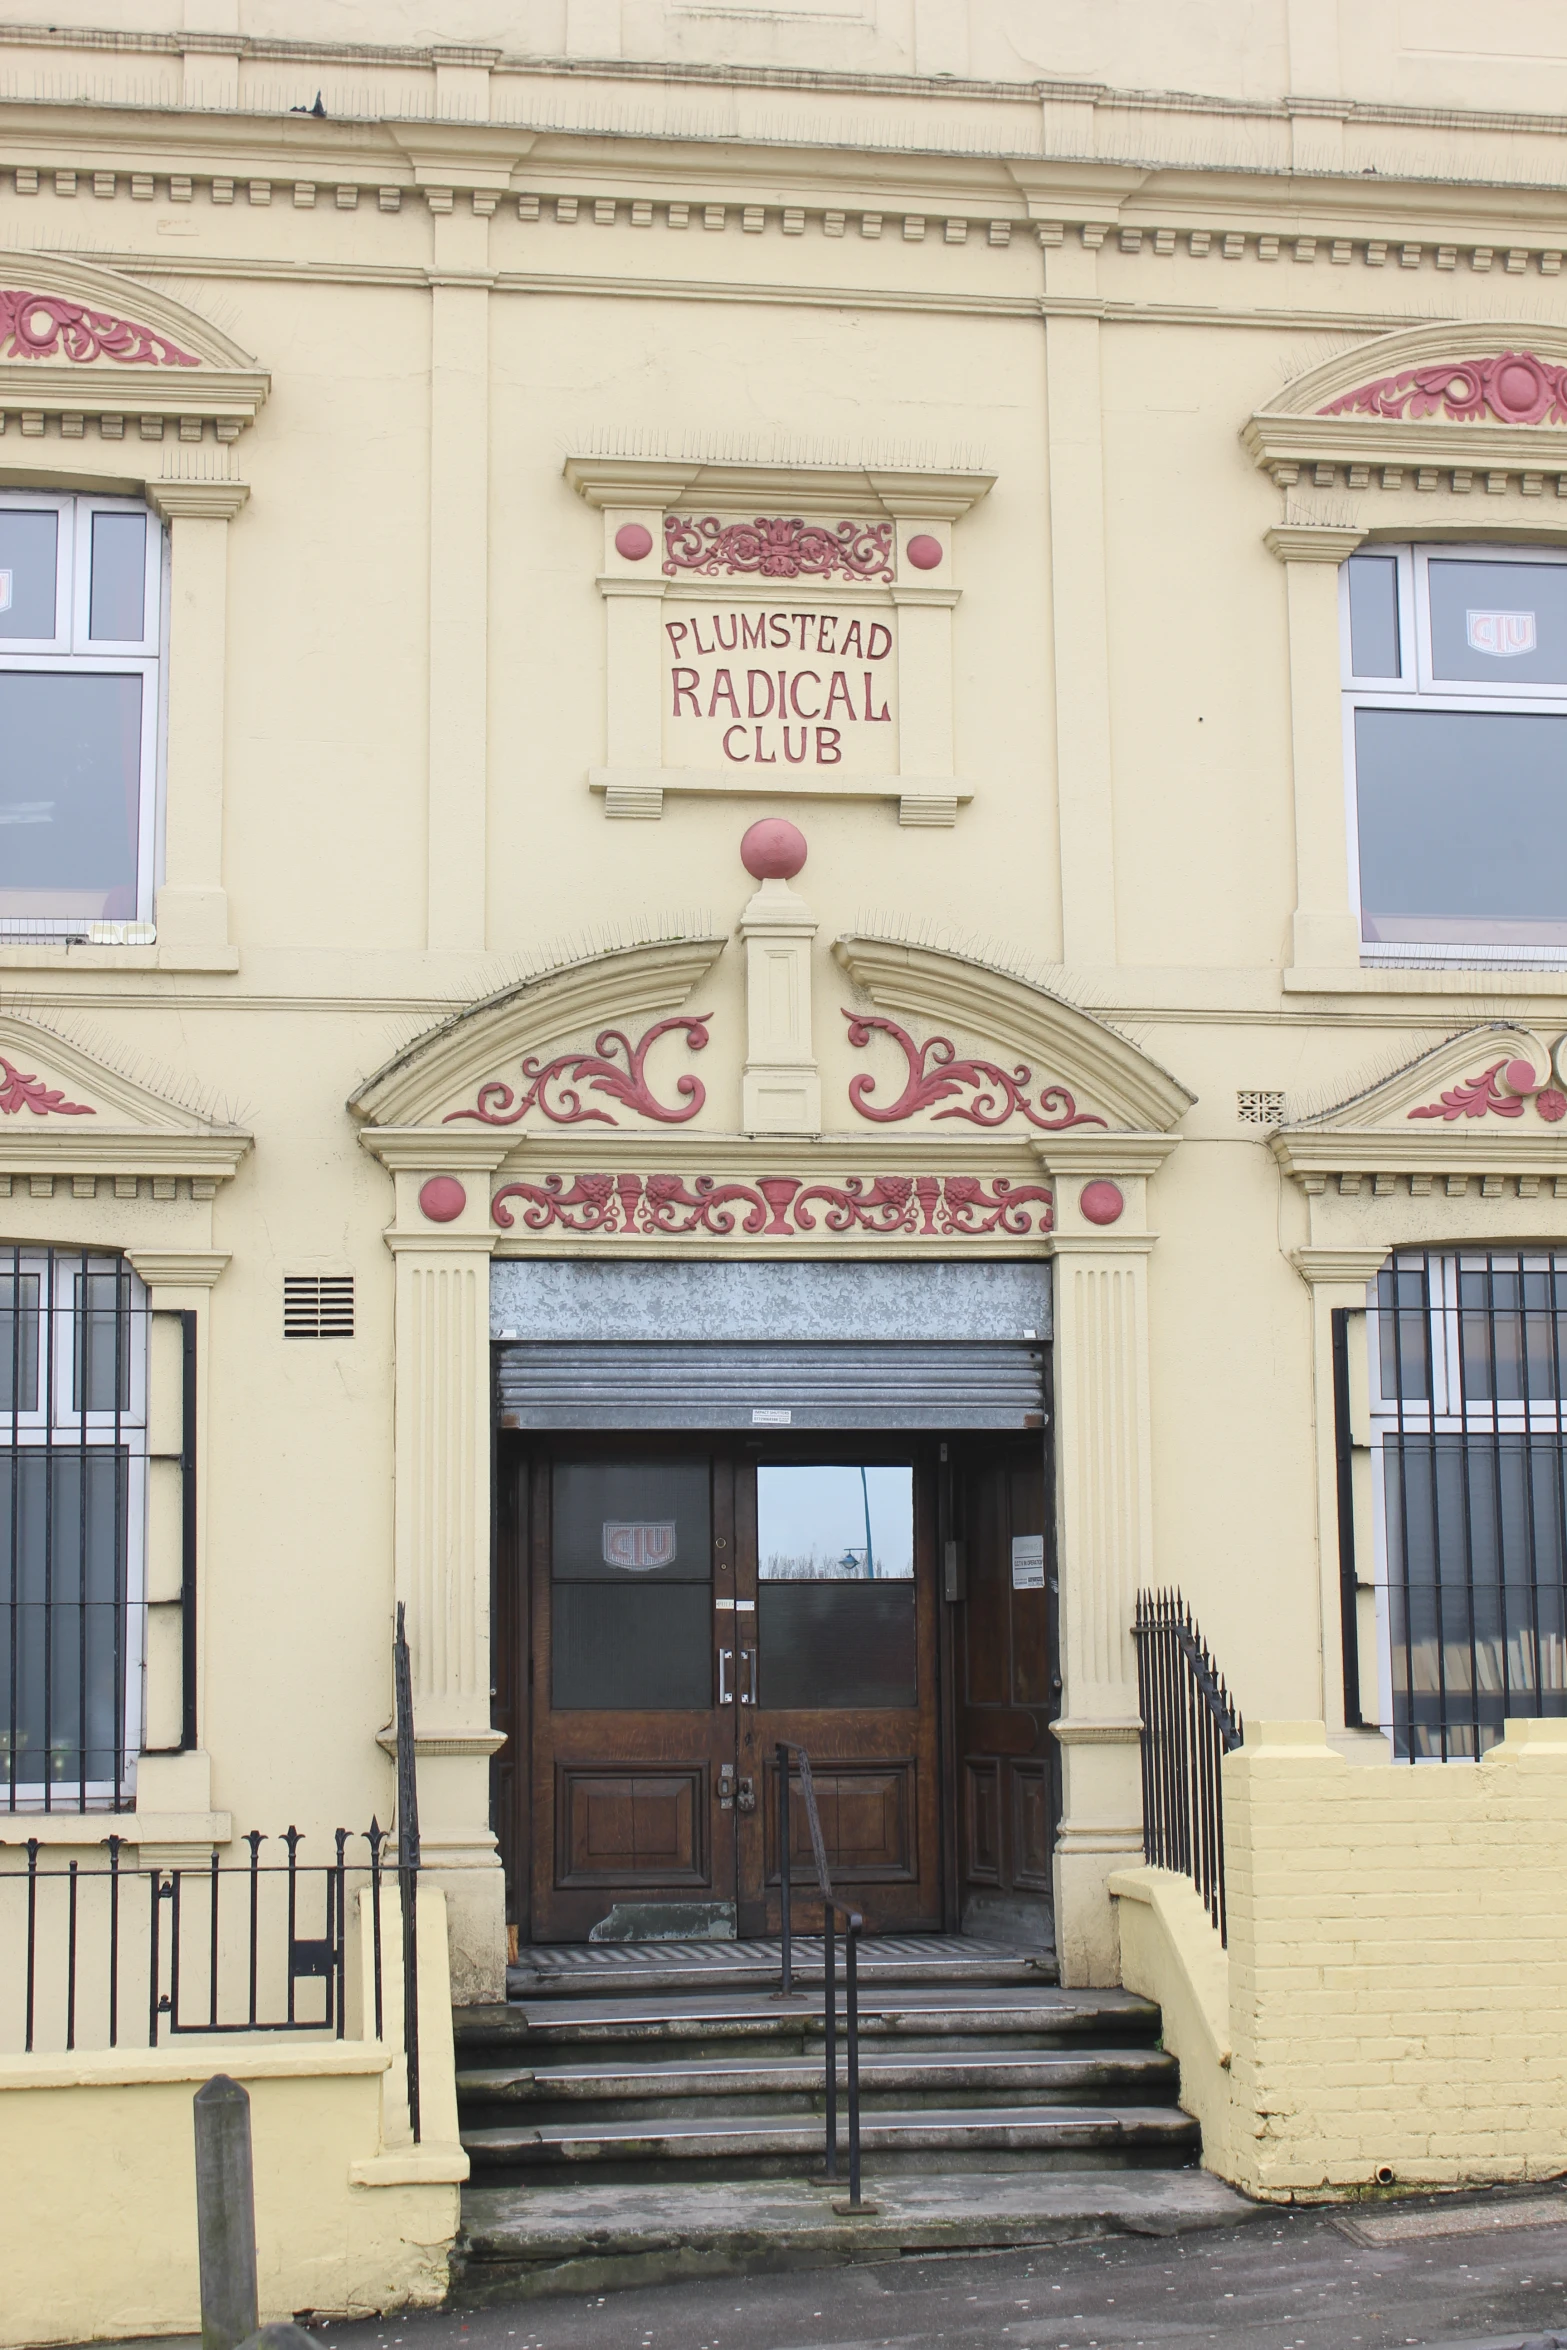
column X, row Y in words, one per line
column 318, row 1305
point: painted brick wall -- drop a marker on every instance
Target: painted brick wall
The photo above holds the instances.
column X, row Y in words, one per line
column 1397, row 1963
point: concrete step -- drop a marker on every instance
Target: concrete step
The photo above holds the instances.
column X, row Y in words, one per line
column 592, row 1970
column 1126, row 2132
column 920, row 2013
column 945, row 2074
column 587, row 2236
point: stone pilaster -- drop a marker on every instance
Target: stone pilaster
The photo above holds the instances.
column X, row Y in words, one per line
column 192, row 905
column 1324, row 930
column 441, row 1238
column 1104, row 1529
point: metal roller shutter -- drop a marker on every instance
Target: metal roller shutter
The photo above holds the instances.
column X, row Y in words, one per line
column 840, row 1385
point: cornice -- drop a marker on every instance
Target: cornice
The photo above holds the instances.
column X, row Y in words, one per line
column 170, row 1268
column 808, row 489
column 1310, row 542
column 1289, row 446
column 201, row 501
column 1338, row 1267
column 56, row 1151
column 1096, row 1152
column 1490, row 1152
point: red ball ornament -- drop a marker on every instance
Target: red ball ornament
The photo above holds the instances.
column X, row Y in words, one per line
column 1101, row 1201
column 923, row 551
column 1519, row 1077
column 633, row 540
column 773, row 849
column 442, row 1199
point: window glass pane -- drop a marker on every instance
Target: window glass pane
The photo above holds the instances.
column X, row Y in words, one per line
column 835, row 1522
column 632, row 1522
column 64, row 1523
column 18, row 1342
column 70, row 794
column 634, row 1647
column 1499, row 623
column 1373, row 616
column 1462, row 818
column 29, row 554
column 102, row 1376
column 831, row 1644
column 119, row 577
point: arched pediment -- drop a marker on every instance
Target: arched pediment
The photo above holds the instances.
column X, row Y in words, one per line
column 79, row 341
column 1489, row 1102
column 613, row 1102
column 444, row 1076
column 1486, row 397
column 66, row 1113
column 1057, row 1044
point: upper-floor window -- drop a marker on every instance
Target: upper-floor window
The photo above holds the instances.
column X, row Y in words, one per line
column 81, row 598
column 1455, row 715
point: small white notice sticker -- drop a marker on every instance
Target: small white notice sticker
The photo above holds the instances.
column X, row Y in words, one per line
column 1028, row 1562
column 765, row 1417
column 5, row 591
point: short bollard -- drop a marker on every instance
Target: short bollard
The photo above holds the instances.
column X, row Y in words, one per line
column 225, row 2214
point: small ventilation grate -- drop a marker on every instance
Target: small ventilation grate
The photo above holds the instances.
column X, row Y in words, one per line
column 318, row 1305
column 1255, row 1107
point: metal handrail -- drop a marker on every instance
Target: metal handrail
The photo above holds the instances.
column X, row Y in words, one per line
column 854, row 1925
column 1189, row 1723
column 408, row 1859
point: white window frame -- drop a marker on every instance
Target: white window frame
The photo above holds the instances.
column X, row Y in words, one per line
column 72, row 651
column 1415, row 686
column 54, row 1423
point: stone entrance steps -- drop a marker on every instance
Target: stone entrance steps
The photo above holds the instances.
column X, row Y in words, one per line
column 971, row 2057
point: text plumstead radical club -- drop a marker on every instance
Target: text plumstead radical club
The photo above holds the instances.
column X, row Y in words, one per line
column 809, row 709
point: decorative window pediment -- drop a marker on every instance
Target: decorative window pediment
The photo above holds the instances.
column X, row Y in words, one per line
column 1489, row 1103
column 84, row 346
column 1451, row 407
column 65, row 1115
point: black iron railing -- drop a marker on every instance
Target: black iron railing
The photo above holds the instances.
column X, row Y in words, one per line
column 832, row 1909
column 106, row 1955
column 1190, row 1724
column 407, row 1860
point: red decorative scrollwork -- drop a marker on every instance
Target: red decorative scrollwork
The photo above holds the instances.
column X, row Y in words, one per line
column 598, row 1072
column 1516, row 388
column 1474, row 1098
column 777, row 548
column 42, row 326
column 778, row 1207
column 935, row 1072
column 18, row 1091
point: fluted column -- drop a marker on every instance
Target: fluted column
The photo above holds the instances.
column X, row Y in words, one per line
column 1104, row 1524
column 441, row 1238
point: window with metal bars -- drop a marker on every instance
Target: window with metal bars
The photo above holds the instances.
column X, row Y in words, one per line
column 318, row 1305
column 73, row 1513
column 1469, row 1459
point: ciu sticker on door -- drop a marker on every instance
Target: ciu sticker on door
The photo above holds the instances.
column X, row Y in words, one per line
column 639, row 1544
column 1028, row 1562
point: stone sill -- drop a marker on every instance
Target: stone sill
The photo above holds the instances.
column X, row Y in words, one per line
column 77, row 955
column 197, row 1830
column 244, row 2056
column 1461, row 979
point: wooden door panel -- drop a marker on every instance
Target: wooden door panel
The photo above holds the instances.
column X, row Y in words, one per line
column 869, row 1814
column 982, row 1820
column 1031, row 1836
column 619, row 1827
column 1005, row 1672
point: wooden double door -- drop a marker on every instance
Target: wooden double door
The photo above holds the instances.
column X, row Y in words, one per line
column 668, row 1609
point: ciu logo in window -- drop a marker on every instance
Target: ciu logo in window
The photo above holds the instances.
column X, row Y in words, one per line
column 1501, row 634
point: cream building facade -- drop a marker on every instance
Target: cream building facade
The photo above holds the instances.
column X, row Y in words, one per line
column 690, row 687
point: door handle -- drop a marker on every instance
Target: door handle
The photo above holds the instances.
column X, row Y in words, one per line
column 748, row 1656
column 726, row 1657
column 746, row 1798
